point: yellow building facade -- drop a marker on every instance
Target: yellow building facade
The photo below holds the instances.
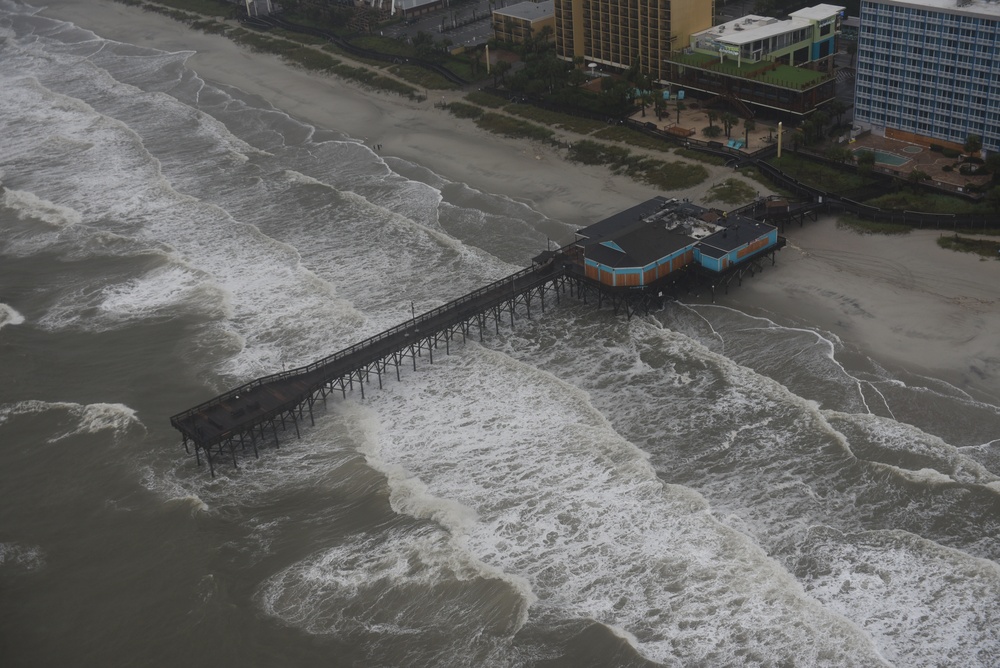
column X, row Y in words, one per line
column 619, row 33
column 517, row 23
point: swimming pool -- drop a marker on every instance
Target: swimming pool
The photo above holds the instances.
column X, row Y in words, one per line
column 884, row 158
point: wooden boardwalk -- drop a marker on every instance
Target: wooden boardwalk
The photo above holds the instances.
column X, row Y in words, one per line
column 250, row 414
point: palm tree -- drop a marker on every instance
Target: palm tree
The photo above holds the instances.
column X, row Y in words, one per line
column 712, row 117
column 973, row 143
column 836, row 108
column 500, row 70
column 728, row 121
column 748, row 126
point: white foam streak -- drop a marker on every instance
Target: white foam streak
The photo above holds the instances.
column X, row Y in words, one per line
column 828, row 345
column 89, row 418
column 9, row 316
column 190, row 501
column 886, row 441
column 29, row 206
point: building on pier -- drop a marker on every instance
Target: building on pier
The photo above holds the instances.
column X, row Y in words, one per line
column 649, row 243
column 626, row 260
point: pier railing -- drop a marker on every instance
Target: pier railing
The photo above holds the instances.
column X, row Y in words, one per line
column 409, row 327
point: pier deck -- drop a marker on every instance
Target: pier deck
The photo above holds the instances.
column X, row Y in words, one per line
column 243, row 415
column 250, row 414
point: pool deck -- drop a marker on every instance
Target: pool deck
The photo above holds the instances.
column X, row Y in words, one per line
column 925, row 160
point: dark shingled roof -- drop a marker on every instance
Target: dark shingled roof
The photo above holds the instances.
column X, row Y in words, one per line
column 639, row 240
column 739, row 232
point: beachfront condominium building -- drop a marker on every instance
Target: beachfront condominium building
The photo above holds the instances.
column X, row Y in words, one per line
column 523, row 21
column 928, row 71
column 620, row 33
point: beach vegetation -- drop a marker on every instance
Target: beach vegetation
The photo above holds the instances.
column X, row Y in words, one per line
column 576, row 124
column 731, row 191
column 862, row 226
column 300, row 37
column 627, row 135
column 508, row 126
column 821, row 176
column 707, row 158
column 485, row 99
column 674, row 175
column 463, row 110
column 928, row 202
column 175, row 14
column 211, row 27
column 751, row 172
column 988, row 248
column 203, row 7
column 421, row 77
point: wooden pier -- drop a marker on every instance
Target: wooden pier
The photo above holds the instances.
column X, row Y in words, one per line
column 249, row 415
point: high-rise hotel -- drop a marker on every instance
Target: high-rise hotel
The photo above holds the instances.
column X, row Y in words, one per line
column 928, row 71
column 620, row 33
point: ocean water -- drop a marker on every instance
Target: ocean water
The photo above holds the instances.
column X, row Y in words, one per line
column 699, row 487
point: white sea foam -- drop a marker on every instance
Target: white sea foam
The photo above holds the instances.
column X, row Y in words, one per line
column 85, row 418
column 29, row 205
column 21, row 557
column 153, row 294
column 565, row 504
column 191, row 501
column 924, row 604
column 917, row 455
column 9, row 316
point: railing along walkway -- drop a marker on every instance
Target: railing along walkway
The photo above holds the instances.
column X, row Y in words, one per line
column 260, row 401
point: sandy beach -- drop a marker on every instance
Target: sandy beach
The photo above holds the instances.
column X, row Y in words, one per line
column 901, row 299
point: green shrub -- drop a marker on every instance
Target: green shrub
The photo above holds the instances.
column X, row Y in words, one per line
column 950, row 153
column 463, row 110
column 936, row 148
column 947, row 168
column 485, row 99
column 855, row 224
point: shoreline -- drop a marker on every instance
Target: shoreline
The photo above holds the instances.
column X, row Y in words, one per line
column 901, row 300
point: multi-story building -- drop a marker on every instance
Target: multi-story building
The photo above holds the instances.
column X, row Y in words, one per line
column 620, row 33
column 516, row 23
column 928, row 71
column 786, row 65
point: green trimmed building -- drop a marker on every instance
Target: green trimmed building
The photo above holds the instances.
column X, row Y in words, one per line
column 758, row 61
